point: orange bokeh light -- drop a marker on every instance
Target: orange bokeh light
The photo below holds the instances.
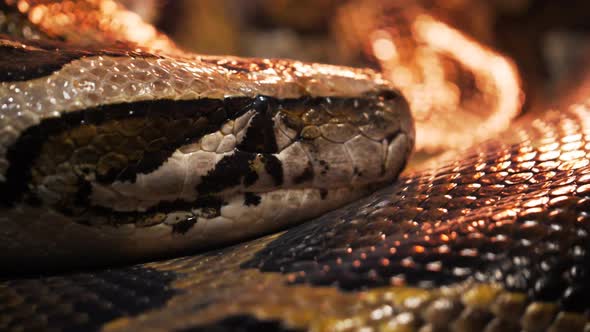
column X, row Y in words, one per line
column 444, row 117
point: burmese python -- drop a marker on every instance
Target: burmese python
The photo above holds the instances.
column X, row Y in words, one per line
column 494, row 238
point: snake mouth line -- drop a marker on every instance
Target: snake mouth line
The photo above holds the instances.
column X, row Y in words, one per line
column 181, row 215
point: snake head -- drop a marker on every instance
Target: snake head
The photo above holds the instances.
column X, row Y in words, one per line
column 271, row 163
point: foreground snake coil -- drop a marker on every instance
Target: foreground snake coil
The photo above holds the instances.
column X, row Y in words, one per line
column 493, row 238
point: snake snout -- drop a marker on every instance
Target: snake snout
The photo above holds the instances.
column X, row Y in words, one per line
column 337, row 142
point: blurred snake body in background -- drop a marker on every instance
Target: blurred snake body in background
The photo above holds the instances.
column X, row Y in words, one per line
column 117, row 147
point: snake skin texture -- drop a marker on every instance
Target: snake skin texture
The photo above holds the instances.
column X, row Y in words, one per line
column 494, row 238
column 491, row 238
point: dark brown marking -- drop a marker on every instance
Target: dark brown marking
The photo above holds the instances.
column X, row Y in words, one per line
column 251, row 199
column 306, row 175
column 260, row 136
column 274, row 168
column 184, row 225
column 229, row 172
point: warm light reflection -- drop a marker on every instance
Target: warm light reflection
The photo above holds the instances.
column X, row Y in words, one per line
column 495, row 75
column 460, row 91
column 383, row 46
column 77, row 20
column 450, row 114
column 23, row 6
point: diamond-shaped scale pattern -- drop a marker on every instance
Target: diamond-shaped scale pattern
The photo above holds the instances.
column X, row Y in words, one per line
column 82, row 301
column 516, row 214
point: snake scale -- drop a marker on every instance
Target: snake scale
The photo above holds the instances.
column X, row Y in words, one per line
column 116, row 146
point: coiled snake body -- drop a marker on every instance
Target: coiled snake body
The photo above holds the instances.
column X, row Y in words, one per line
column 111, row 155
